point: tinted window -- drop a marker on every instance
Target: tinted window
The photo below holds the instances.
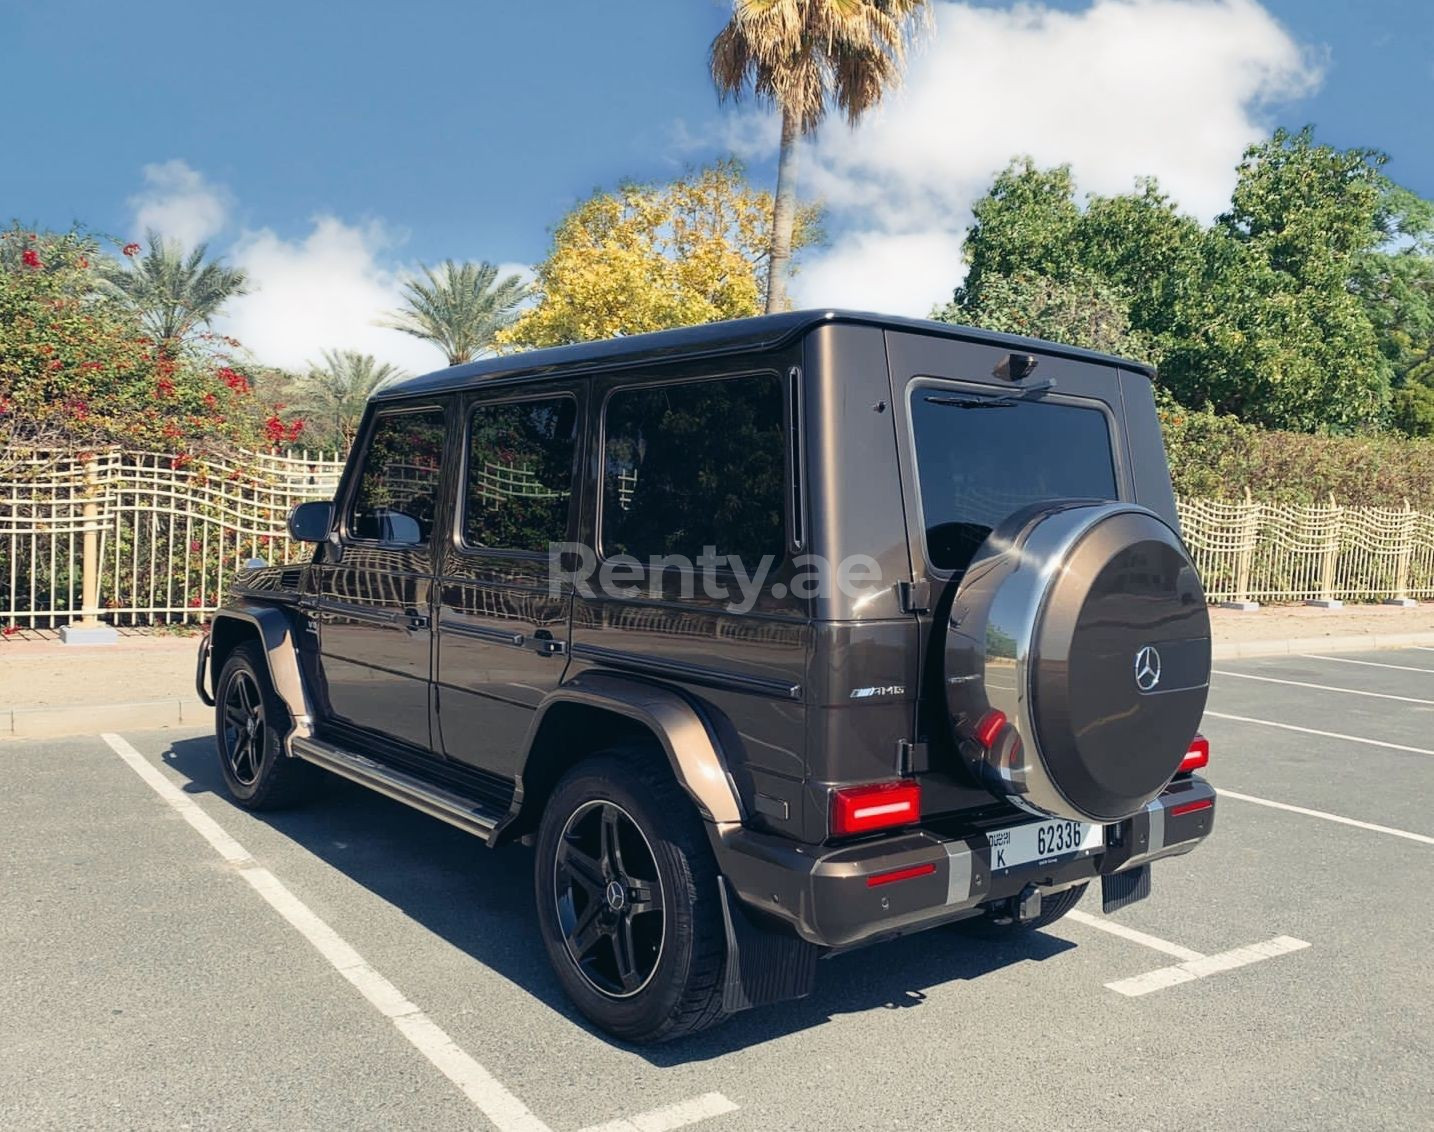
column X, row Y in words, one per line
column 397, row 495
column 520, row 472
column 695, row 465
column 977, row 465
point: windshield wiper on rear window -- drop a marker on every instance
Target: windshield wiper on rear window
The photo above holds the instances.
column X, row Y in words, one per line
column 1002, row 401
column 975, row 402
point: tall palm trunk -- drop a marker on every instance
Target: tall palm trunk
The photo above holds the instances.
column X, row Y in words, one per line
column 784, row 215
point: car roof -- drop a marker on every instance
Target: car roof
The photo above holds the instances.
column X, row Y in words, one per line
column 740, row 335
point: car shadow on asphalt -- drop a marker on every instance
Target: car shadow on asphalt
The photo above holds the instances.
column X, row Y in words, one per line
column 481, row 902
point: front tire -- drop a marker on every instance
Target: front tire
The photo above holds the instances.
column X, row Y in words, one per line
column 249, row 725
column 627, row 897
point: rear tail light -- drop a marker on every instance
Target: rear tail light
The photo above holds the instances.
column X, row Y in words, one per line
column 862, row 809
column 1191, row 808
column 1197, row 756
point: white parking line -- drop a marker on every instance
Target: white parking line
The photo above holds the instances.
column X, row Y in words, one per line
column 1195, row 965
column 1367, row 663
column 1155, row 943
column 1323, row 687
column 1325, row 734
column 1223, row 793
column 673, row 1116
column 1205, row 966
column 487, row 1093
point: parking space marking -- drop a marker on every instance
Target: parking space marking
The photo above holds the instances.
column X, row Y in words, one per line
column 1325, row 734
column 1367, row 663
column 505, row 1110
column 1223, row 793
column 1155, row 943
column 1206, row 966
column 678, row 1115
column 1323, row 687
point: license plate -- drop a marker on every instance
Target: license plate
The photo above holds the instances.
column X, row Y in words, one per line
column 1043, row 842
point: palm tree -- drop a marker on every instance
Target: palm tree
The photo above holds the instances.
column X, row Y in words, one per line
column 172, row 293
column 331, row 397
column 801, row 55
column 459, row 308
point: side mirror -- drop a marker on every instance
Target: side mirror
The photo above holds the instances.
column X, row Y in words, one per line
column 310, row 522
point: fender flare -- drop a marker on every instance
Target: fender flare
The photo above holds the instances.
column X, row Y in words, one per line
column 691, row 749
column 275, row 630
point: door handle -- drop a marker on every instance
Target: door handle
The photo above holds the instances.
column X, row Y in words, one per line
column 543, row 643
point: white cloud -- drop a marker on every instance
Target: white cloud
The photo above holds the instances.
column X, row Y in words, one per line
column 1174, row 88
column 178, row 203
column 324, row 291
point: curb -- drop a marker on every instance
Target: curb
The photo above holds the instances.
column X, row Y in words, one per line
column 91, row 719
column 1354, row 642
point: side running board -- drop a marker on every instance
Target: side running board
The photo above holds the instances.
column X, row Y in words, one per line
column 435, row 801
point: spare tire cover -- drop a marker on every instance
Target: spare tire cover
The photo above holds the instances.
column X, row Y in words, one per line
column 1085, row 625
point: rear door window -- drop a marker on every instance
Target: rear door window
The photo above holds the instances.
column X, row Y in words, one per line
column 980, row 458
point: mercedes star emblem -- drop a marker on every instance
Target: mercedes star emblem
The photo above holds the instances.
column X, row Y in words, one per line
column 1147, row 669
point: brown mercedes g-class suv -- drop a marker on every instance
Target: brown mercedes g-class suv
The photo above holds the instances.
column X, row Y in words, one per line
column 775, row 637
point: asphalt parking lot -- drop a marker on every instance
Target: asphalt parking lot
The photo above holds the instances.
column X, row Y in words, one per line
column 172, row 962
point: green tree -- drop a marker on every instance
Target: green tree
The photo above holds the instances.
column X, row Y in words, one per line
column 802, row 56
column 1258, row 315
column 173, row 294
column 460, row 308
column 1082, row 309
column 332, row 395
column 650, row 257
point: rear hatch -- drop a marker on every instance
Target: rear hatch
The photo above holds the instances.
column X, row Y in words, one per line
column 984, row 431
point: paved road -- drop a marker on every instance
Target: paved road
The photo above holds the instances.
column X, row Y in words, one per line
column 148, row 982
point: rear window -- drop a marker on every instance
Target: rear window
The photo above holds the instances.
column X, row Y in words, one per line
column 696, row 468
column 980, row 458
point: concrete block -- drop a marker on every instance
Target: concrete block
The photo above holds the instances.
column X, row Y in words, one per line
column 93, row 634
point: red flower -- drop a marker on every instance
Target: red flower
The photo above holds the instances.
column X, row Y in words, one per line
column 295, row 428
column 9, row 630
column 82, row 262
column 196, row 546
column 165, row 387
column 235, row 380
column 274, row 429
column 31, row 258
column 195, row 602
column 131, row 249
column 210, row 401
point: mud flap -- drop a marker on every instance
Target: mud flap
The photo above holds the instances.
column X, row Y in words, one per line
column 1119, row 889
column 762, row 966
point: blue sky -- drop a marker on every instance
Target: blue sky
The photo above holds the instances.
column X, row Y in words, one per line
column 330, row 148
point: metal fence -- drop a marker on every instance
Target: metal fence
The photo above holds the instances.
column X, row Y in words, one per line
column 142, row 538
column 1253, row 551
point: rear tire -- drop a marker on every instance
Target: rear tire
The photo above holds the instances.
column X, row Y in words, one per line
column 249, row 725
column 627, row 897
column 1052, row 909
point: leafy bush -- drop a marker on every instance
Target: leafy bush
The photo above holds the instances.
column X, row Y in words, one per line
column 1217, row 457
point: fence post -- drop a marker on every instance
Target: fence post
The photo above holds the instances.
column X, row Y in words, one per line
column 1328, row 561
column 88, row 629
column 1402, row 557
column 1246, row 532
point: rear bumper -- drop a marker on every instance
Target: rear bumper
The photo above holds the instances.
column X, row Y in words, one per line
column 823, row 893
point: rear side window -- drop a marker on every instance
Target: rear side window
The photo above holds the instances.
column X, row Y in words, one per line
column 397, row 496
column 980, row 459
column 520, row 474
column 696, row 466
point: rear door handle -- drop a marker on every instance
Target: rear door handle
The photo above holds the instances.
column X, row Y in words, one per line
column 543, row 643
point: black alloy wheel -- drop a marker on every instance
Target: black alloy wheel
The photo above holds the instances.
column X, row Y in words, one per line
column 244, row 736
column 609, row 899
